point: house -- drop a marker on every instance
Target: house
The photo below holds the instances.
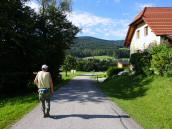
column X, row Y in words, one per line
column 153, row 25
column 122, row 63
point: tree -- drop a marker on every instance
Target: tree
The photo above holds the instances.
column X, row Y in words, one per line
column 69, row 63
column 123, row 53
column 57, row 35
column 61, row 5
column 28, row 40
column 65, row 5
column 94, row 64
column 16, row 37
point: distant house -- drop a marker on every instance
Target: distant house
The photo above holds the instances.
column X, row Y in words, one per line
column 152, row 25
column 121, row 63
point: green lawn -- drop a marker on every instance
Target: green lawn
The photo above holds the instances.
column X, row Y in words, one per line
column 13, row 109
column 100, row 57
column 147, row 100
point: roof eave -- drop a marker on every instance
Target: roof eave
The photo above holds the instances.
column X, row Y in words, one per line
column 134, row 24
column 131, row 31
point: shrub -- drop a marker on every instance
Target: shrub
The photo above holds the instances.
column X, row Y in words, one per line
column 161, row 61
column 113, row 71
column 141, row 62
column 157, row 59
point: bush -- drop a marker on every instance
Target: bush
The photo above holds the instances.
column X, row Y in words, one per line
column 141, row 62
column 157, row 59
column 161, row 62
column 113, row 71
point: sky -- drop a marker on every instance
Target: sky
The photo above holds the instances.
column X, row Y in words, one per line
column 106, row 19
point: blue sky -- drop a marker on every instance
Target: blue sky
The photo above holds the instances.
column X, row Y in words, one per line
column 107, row 19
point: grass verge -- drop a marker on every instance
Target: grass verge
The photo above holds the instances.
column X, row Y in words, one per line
column 147, row 100
column 12, row 109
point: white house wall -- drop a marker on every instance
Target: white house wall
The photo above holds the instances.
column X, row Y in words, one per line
column 143, row 41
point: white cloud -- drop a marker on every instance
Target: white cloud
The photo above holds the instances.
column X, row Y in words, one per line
column 86, row 19
column 34, row 5
column 88, row 31
column 93, row 25
column 99, row 26
column 140, row 6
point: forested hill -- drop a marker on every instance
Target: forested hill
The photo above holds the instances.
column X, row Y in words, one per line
column 91, row 40
column 90, row 46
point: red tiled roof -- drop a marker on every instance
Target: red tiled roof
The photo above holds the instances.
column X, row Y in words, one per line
column 159, row 19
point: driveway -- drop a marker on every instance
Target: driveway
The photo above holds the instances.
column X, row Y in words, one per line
column 79, row 105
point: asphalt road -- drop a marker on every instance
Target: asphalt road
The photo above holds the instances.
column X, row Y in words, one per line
column 79, row 105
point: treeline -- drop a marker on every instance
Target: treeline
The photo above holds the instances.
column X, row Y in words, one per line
column 89, row 46
column 79, row 64
column 29, row 39
column 81, row 53
column 94, row 65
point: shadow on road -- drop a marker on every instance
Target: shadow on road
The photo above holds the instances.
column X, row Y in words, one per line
column 85, row 116
column 80, row 90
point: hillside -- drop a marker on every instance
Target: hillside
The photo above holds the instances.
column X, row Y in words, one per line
column 88, row 39
column 90, row 46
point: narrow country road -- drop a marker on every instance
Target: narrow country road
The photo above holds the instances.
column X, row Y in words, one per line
column 79, row 105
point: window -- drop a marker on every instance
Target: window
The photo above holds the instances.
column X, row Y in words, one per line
column 146, row 31
column 138, row 34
